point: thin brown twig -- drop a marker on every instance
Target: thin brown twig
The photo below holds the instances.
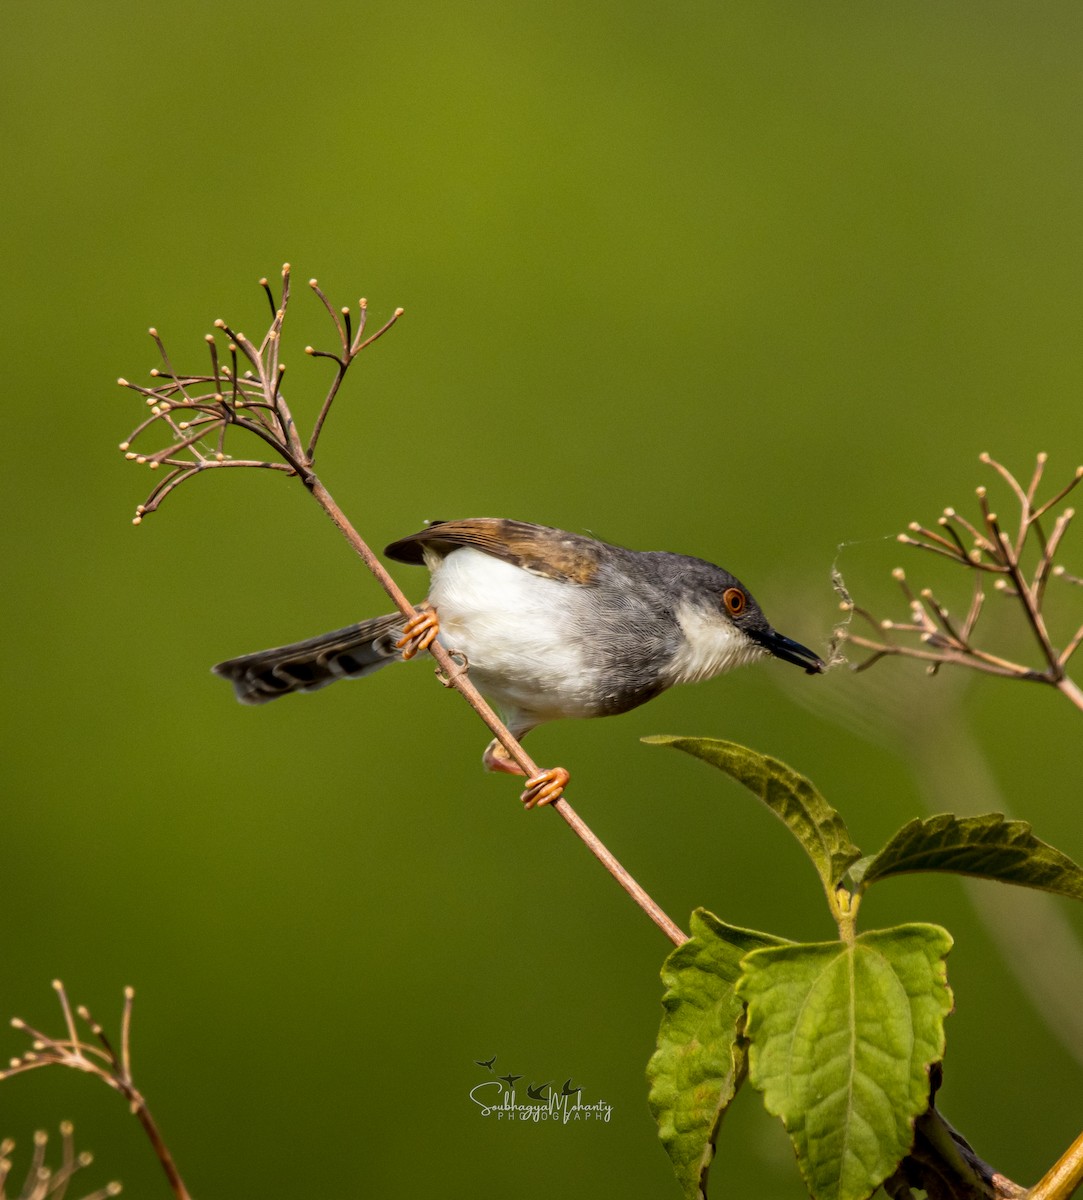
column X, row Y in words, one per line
column 460, row 680
column 275, row 427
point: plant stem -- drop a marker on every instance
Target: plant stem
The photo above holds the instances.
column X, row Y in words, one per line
column 1063, row 1177
column 458, row 678
column 1072, row 690
column 161, row 1150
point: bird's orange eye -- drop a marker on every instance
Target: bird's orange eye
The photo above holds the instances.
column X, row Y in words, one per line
column 734, row 600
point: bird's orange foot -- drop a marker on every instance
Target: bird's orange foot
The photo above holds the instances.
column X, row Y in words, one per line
column 419, row 632
column 545, row 787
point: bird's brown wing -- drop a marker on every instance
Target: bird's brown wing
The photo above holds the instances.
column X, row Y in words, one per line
column 553, row 553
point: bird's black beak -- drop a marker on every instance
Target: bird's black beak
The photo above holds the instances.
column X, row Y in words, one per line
column 789, row 651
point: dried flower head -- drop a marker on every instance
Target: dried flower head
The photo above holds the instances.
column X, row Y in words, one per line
column 44, row 1182
column 242, row 391
column 1019, row 557
column 85, row 1046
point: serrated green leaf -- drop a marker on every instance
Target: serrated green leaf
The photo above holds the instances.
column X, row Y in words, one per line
column 841, row 1040
column 989, row 846
column 791, row 797
column 700, row 1060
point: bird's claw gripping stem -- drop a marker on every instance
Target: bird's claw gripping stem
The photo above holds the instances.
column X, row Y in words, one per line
column 419, row 632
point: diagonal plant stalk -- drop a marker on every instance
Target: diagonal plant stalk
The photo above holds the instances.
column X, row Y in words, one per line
column 246, row 393
column 98, row 1057
column 984, row 548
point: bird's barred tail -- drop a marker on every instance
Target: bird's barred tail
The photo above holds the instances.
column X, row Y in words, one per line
column 314, row 663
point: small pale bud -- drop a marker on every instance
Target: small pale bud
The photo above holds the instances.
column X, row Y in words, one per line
column 137, row 520
column 130, row 456
column 152, row 331
column 898, row 574
column 124, row 445
column 122, row 381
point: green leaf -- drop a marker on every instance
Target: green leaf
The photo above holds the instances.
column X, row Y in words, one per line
column 988, row 846
column 841, row 1040
column 791, row 797
column 700, row 1060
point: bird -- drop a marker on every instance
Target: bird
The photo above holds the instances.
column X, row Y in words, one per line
column 537, row 1092
column 568, row 1090
column 485, row 1062
column 550, row 624
column 510, row 1079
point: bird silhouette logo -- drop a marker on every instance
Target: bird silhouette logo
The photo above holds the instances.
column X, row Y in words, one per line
column 543, row 1102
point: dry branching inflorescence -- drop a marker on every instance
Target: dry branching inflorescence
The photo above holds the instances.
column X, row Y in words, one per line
column 43, row 1182
column 1020, row 563
column 245, row 393
column 94, row 1053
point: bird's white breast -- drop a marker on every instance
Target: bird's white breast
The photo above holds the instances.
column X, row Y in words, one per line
column 519, row 632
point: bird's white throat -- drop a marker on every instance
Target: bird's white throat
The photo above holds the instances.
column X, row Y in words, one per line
column 712, row 645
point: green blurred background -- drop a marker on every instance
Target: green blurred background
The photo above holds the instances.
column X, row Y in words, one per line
column 750, row 281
